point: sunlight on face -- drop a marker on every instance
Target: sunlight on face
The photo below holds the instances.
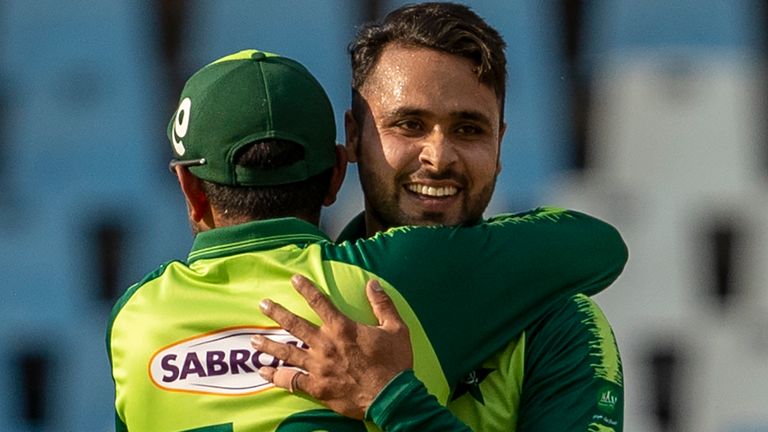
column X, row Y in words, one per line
column 428, row 146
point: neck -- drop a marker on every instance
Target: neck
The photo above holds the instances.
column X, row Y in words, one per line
column 372, row 224
column 224, row 220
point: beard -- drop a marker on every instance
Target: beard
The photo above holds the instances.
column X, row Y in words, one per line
column 383, row 200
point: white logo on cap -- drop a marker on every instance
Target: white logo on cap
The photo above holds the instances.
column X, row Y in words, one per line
column 181, row 125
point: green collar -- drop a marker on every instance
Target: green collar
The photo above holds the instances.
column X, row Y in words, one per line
column 254, row 236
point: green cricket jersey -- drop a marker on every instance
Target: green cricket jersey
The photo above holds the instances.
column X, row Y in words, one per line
column 179, row 340
column 563, row 374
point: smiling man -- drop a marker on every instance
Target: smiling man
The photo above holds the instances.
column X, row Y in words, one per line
column 428, row 149
column 425, row 129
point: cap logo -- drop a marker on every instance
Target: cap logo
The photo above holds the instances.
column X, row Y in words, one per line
column 181, row 125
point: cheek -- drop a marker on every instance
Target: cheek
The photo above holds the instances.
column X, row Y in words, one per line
column 482, row 165
column 396, row 155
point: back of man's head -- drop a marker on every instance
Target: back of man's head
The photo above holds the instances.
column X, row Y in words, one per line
column 446, row 27
column 259, row 131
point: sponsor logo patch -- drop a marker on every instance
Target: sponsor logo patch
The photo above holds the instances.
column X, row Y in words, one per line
column 222, row 362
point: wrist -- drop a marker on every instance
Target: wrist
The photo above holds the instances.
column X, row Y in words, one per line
column 390, row 394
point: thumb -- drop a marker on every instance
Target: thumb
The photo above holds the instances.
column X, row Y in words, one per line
column 382, row 305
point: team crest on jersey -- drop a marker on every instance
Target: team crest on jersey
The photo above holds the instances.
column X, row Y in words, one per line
column 471, row 384
column 222, row 362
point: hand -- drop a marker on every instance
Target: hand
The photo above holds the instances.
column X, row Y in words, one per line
column 347, row 363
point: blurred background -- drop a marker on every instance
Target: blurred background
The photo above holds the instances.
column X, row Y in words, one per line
column 649, row 114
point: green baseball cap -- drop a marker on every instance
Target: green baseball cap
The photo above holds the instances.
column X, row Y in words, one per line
column 252, row 96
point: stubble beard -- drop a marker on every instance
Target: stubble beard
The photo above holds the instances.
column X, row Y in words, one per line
column 383, row 205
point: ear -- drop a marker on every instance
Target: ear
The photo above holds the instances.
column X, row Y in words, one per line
column 337, row 177
column 502, row 129
column 352, row 132
column 197, row 202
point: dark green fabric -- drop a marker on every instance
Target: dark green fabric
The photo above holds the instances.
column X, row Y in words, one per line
column 354, row 230
column 405, row 405
column 216, row 428
column 320, row 420
column 119, row 424
column 489, row 281
column 255, row 236
column 560, row 388
column 246, row 97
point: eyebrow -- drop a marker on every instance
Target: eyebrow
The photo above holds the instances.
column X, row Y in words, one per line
column 405, row 112
column 473, row 116
column 418, row 112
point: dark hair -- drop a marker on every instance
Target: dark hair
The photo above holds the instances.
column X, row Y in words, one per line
column 447, row 27
column 304, row 198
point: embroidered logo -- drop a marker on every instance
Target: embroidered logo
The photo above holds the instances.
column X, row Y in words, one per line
column 471, row 384
column 607, row 400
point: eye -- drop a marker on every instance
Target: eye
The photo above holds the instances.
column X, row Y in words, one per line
column 410, row 125
column 469, row 129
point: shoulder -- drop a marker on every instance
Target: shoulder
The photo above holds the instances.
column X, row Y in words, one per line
column 149, row 277
column 577, row 306
column 578, row 314
column 133, row 289
column 576, row 331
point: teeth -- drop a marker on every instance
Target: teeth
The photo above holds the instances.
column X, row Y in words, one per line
column 432, row 191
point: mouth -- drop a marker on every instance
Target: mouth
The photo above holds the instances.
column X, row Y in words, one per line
column 432, row 192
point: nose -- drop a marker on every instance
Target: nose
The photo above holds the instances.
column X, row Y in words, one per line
column 437, row 152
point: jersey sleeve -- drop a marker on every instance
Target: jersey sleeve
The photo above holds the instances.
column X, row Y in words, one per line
column 404, row 405
column 489, row 281
column 573, row 377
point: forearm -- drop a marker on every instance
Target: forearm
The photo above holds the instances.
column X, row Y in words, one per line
column 405, row 405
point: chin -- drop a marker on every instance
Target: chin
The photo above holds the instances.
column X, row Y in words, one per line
column 432, row 218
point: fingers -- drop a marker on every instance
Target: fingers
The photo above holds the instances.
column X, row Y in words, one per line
column 382, row 306
column 290, row 354
column 284, row 377
column 268, row 373
column 294, row 324
column 316, row 299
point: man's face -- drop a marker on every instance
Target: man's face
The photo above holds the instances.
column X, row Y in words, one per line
column 427, row 145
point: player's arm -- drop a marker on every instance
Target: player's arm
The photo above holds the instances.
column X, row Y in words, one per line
column 573, row 377
column 357, row 370
column 541, row 248
column 404, row 405
column 514, row 266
